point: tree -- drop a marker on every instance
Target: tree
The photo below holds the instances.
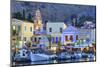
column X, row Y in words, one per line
column 49, row 38
column 84, row 18
column 59, row 45
column 17, row 15
column 29, row 18
column 74, row 20
column 24, row 14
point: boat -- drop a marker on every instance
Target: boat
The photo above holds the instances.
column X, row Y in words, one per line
column 22, row 56
column 63, row 56
column 41, row 56
column 84, row 55
column 78, row 55
column 91, row 55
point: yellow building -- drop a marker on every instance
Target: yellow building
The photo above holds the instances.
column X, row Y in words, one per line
column 27, row 30
column 21, row 32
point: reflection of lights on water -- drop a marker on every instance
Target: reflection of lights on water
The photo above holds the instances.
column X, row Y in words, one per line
column 84, row 40
column 87, row 59
column 14, row 63
column 94, row 58
column 55, row 61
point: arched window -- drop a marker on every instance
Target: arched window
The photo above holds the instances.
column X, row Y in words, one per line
column 60, row 30
column 76, row 37
column 50, row 29
column 35, row 39
column 71, row 37
column 66, row 38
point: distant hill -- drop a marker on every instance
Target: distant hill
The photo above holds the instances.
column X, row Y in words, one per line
column 53, row 12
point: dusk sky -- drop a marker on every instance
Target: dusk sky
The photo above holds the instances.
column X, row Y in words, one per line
column 52, row 11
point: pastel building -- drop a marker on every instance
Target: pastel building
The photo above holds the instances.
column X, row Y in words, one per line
column 40, row 40
column 15, row 30
column 55, row 29
column 72, row 34
column 21, row 30
column 27, row 31
column 87, row 34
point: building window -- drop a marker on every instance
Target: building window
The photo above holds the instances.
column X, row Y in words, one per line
column 76, row 37
column 60, row 30
column 24, row 38
column 25, row 29
column 39, row 38
column 59, row 38
column 19, row 38
column 31, row 38
column 14, row 30
column 19, row 28
column 71, row 37
column 66, row 38
column 56, row 39
column 52, row 39
column 14, row 27
column 35, row 39
column 30, row 29
column 50, row 29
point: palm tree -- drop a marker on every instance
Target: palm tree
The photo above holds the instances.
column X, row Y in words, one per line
column 59, row 45
column 49, row 38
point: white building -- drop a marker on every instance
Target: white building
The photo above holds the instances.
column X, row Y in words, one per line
column 89, row 25
column 87, row 34
column 55, row 29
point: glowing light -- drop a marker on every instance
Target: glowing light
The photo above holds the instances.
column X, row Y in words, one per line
column 14, row 27
column 65, row 26
column 38, row 20
column 53, row 48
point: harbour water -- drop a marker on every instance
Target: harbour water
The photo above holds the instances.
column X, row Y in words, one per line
column 56, row 61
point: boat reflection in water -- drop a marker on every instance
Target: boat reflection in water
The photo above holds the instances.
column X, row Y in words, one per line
column 56, row 61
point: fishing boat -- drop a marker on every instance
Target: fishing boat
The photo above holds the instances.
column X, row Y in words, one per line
column 40, row 56
column 22, row 56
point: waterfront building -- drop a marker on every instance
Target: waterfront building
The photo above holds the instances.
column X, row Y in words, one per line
column 22, row 31
column 72, row 34
column 55, row 29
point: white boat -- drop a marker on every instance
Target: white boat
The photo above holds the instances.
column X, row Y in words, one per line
column 40, row 57
column 78, row 55
column 91, row 55
column 22, row 55
column 64, row 55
